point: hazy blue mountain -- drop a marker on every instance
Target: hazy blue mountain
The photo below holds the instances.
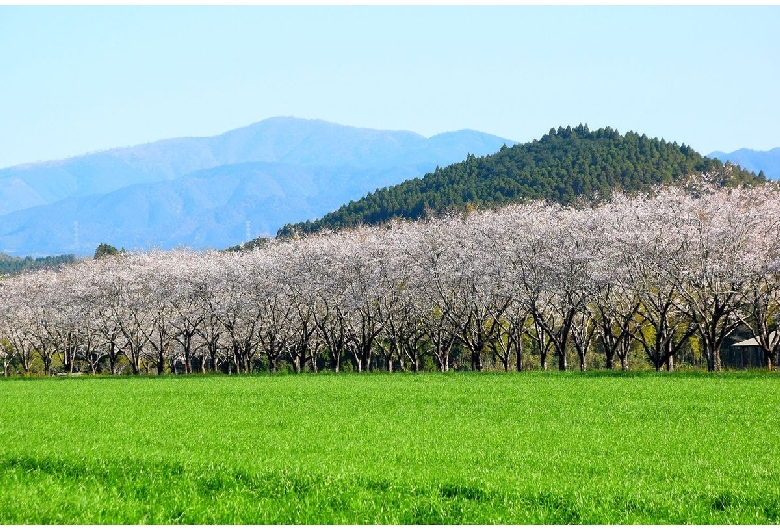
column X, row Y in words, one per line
column 206, row 209
column 201, row 191
column 766, row 161
column 45, row 182
column 287, row 140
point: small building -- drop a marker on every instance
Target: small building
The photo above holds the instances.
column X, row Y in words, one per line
column 744, row 355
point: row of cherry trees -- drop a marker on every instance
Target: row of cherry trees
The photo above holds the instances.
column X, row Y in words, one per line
column 637, row 273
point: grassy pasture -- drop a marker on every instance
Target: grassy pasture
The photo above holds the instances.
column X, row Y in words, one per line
column 392, row 448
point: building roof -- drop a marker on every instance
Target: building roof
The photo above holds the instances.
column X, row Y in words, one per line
column 754, row 342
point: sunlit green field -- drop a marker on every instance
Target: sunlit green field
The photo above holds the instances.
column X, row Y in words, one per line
column 392, row 448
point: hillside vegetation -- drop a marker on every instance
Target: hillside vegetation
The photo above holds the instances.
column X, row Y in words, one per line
column 566, row 165
column 11, row 265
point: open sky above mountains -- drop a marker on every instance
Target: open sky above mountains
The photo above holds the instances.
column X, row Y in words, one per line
column 82, row 79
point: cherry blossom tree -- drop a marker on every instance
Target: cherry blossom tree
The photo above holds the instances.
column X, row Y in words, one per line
column 716, row 268
column 654, row 271
column 760, row 311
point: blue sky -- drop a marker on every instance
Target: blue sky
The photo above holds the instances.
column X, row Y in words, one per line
column 81, row 79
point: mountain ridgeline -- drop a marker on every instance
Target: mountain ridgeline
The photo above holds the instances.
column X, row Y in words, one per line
column 752, row 160
column 212, row 192
column 566, row 165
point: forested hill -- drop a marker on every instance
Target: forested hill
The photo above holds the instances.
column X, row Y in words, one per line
column 564, row 165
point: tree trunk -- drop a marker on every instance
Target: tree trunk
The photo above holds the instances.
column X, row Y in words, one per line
column 563, row 363
column 111, row 359
column 213, row 356
column 519, row 355
column 716, row 365
column 444, row 364
column 476, row 360
column 713, row 358
column 135, row 361
column 236, row 357
column 160, row 363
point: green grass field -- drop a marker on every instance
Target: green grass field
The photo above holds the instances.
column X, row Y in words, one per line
column 392, row 448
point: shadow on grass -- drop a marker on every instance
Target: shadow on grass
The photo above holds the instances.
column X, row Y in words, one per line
column 55, row 491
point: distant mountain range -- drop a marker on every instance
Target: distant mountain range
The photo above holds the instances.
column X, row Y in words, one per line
column 766, row 161
column 209, row 192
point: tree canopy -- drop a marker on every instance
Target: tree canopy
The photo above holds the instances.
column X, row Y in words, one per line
column 104, row 249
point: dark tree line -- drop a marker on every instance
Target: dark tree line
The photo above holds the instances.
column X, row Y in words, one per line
column 10, row 265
